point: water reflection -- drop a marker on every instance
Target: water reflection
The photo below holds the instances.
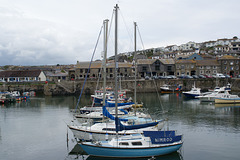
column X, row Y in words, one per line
column 78, row 153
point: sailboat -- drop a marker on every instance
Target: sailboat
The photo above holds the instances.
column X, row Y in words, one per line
column 106, row 128
column 148, row 144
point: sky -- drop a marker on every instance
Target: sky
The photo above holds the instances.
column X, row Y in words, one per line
column 51, row 32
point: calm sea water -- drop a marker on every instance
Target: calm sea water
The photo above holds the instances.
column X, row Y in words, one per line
column 36, row 129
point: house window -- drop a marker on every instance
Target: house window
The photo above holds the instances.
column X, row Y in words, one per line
column 201, row 67
column 182, row 67
column 144, row 69
column 201, row 72
column 214, row 71
column 110, row 70
column 208, row 67
column 169, row 68
column 157, row 67
column 125, row 69
column 192, row 66
column 231, row 63
column 86, row 70
column 237, row 67
column 214, row 67
column 81, row 70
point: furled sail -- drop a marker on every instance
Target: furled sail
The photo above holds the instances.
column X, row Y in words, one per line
column 120, row 126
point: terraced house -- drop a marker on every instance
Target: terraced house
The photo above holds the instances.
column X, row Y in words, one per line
column 22, row 76
column 158, row 67
column 82, row 70
column 229, row 65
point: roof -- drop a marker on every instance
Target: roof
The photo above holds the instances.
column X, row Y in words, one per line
column 207, row 62
column 146, row 61
column 26, row 73
column 227, row 57
column 85, row 65
column 167, row 61
column 57, row 74
column 186, row 61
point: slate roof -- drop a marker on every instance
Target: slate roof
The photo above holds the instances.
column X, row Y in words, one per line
column 85, row 65
column 208, row 62
column 146, row 61
column 185, row 61
column 228, row 57
column 27, row 73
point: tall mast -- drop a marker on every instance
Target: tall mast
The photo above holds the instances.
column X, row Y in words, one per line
column 116, row 62
column 135, row 67
column 105, row 24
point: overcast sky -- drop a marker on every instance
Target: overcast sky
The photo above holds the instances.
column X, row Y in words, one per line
column 49, row 32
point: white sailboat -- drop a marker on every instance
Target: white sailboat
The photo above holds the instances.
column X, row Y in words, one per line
column 148, row 144
column 98, row 131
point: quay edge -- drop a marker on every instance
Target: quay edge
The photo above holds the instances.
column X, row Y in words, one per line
column 74, row 87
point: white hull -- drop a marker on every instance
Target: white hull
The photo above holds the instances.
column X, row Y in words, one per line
column 99, row 133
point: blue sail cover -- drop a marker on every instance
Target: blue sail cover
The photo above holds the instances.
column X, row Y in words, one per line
column 120, row 127
column 162, row 137
column 107, row 114
column 112, row 104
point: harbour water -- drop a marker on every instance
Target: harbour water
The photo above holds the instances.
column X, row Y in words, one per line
column 36, row 129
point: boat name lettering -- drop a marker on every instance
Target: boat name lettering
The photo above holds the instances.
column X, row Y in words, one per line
column 163, row 139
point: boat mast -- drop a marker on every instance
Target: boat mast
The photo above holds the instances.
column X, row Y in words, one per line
column 105, row 24
column 116, row 62
column 135, row 68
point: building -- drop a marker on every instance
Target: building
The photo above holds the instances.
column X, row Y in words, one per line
column 185, row 67
column 155, row 67
column 22, row 76
column 207, row 67
column 229, row 65
column 82, row 70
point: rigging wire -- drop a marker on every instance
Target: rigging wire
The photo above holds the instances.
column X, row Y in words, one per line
column 151, row 72
column 88, row 69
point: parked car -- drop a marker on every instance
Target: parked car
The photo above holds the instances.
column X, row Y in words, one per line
column 207, row 76
column 147, row 78
column 227, row 76
column 195, row 76
column 160, row 77
column 188, row 77
column 201, row 76
column 172, row 76
column 220, row 75
column 154, row 77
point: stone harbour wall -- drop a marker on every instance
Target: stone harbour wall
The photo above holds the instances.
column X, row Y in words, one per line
column 75, row 87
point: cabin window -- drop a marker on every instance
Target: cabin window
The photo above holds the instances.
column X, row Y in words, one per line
column 123, row 144
column 109, row 129
column 136, row 143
